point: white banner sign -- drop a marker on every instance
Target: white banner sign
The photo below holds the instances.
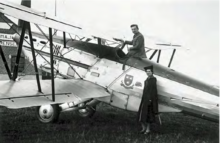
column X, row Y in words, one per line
column 5, row 36
column 8, row 43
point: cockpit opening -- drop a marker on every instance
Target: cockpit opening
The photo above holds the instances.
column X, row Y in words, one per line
column 120, row 53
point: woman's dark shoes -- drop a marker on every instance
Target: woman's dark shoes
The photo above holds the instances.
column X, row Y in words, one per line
column 143, row 130
column 147, row 132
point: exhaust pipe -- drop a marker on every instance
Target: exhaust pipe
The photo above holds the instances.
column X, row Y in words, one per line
column 71, row 106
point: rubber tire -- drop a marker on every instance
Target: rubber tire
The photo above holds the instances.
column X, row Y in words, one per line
column 54, row 117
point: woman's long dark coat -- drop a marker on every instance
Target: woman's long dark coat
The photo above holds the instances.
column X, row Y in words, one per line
column 149, row 99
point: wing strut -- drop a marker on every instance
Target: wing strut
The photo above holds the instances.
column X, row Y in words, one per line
column 15, row 72
column 64, row 39
column 34, row 57
column 5, row 62
column 52, row 63
column 158, row 58
column 171, row 59
column 153, row 54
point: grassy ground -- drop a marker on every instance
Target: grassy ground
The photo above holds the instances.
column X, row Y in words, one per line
column 108, row 125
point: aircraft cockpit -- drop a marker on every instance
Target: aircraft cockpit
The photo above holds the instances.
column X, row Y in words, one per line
column 153, row 49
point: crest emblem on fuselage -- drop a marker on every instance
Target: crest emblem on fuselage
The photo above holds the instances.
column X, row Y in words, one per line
column 127, row 82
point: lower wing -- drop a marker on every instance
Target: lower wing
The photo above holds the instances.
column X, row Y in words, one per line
column 24, row 93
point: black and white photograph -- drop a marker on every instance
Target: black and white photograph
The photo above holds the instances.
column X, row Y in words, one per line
column 109, row 71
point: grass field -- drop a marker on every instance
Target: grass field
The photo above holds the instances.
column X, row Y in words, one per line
column 108, row 125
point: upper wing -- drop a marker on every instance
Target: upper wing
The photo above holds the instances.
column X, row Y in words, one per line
column 42, row 18
column 33, row 16
column 24, row 93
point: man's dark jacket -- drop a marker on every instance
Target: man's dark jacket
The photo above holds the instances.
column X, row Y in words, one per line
column 149, row 97
column 138, row 46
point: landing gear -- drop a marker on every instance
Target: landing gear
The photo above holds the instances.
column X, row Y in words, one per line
column 48, row 113
column 87, row 111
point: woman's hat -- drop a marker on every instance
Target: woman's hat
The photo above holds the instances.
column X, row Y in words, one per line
column 148, row 67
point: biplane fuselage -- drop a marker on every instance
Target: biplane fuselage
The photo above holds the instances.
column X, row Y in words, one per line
column 103, row 65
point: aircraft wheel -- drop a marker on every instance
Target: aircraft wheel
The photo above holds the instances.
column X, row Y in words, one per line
column 87, row 111
column 48, row 113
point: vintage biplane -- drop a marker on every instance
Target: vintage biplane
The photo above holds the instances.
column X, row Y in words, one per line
column 90, row 69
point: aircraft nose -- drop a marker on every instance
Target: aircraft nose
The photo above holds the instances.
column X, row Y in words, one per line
column 16, row 38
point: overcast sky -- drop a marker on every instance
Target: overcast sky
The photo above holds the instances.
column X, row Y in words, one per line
column 191, row 23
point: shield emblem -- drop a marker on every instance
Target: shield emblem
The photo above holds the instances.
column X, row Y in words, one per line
column 128, row 80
